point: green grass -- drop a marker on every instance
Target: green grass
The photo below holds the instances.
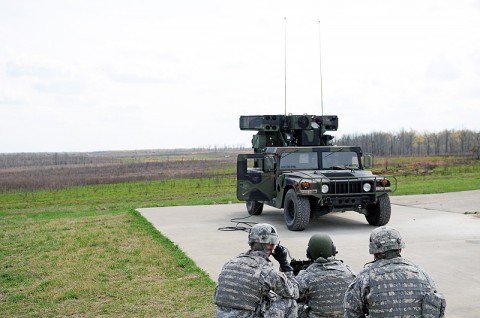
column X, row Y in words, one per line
column 90, row 264
column 85, row 252
column 422, row 176
column 203, row 191
column 427, row 185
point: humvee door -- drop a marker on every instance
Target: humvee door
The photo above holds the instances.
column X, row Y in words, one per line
column 255, row 177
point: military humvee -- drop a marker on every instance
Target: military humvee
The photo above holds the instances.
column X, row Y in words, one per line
column 295, row 167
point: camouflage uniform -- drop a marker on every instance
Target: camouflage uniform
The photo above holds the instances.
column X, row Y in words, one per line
column 249, row 285
column 323, row 283
column 391, row 286
column 388, row 288
column 322, row 286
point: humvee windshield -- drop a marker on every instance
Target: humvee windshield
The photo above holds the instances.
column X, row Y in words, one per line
column 299, row 160
column 309, row 160
column 337, row 159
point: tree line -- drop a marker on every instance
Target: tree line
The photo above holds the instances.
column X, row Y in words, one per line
column 413, row 143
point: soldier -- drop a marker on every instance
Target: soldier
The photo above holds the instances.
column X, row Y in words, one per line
column 392, row 286
column 323, row 283
column 249, row 285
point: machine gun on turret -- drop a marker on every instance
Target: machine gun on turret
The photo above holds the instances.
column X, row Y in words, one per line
column 289, row 130
column 299, row 264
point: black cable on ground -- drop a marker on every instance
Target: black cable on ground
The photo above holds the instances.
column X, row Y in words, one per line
column 246, row 227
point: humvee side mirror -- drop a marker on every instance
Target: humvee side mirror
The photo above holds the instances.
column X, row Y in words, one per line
column 268, row 164
column 368, row 161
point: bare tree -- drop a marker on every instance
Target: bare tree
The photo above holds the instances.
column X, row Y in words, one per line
column 409, row 143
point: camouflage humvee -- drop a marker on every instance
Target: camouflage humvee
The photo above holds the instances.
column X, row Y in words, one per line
column 295, row 167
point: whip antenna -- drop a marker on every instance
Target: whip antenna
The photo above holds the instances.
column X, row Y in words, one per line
column 285, row 61
column 320, row 54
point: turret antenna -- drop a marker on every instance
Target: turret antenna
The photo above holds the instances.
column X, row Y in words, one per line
column 320, row 54
column 285, row 61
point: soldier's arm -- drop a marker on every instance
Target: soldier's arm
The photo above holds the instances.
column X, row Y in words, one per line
column 429, row 279
column 354, row 301
column 283, row 284
column 303, row 283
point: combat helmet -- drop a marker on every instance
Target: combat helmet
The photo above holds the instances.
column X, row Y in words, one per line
column 385, row 238
column 263, row 233
column 320, row 245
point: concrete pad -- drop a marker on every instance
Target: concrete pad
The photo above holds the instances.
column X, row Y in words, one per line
column 439, row 236
column 459, row 202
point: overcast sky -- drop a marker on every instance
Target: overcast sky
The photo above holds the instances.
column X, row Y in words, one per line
column 124, row 75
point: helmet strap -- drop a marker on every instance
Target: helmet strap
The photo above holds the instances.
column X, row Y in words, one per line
column 388, row 254
column 256, row 246
column 309, row 255
column 334, row 250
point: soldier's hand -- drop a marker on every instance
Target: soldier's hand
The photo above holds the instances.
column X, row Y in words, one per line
column 280, row 254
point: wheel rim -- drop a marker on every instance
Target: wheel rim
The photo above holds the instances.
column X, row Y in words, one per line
column 290, row 210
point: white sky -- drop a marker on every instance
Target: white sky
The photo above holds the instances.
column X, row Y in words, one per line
column 122, row 75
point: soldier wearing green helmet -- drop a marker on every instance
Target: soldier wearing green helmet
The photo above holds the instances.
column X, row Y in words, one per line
column 392, row 286
column 249, row 285
column 323, row 283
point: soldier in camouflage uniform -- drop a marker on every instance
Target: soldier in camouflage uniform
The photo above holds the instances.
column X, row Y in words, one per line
column 322, row 284
column 392, row 286
column 249, row 285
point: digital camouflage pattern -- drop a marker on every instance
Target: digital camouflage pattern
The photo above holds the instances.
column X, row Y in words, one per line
column 277, row 292
column 238, row 283
column 322, row 288
column 388, row 288
column 385, row 238
column 281, row 308
column 263, row 233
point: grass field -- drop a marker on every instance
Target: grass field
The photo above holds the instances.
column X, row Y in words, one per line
column 94, row 264
column 84, row 251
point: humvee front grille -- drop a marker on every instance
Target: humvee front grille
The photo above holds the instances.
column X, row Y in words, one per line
column 345, row 187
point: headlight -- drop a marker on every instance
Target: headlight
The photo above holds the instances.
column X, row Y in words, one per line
column 305, row 185
column 383, row 183
column 325, row 188
column 367, row 187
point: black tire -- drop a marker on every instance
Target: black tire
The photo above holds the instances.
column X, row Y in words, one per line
column 296, row 211
column 379, row 214
column 254, row 207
